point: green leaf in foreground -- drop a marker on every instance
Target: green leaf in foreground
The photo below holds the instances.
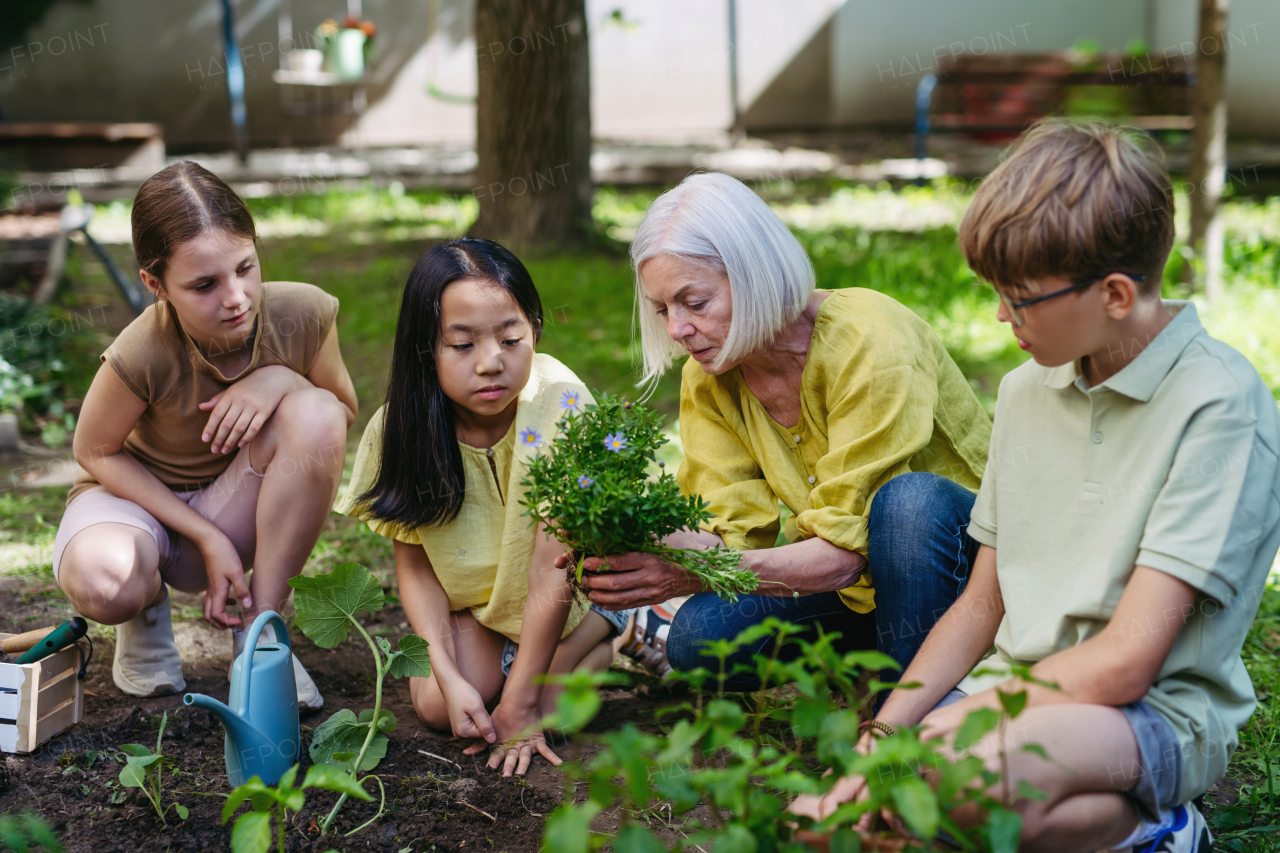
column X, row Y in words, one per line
column 344, row 732
column 918, row 806
column 327, row 604
column 333, row 779
column 1002, row 830
column 976, row 726
column 252, row 833
column 412, row 660
column 568, row 828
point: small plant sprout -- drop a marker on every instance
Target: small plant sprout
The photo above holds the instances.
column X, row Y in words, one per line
column 327, row 607
column 252, row 831
column 144, row 770
column 593, row 492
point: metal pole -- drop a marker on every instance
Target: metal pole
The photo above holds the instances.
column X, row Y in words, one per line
column 736, row 131
column 235, row 82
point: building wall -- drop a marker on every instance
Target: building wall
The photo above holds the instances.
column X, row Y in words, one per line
column 659, row 67
column 880, row 50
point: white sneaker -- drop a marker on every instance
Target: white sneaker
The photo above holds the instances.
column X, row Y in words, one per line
column 147, row 662
column 1189, row 834
column 309, row 698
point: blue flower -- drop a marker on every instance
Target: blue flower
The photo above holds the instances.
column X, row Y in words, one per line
column 571, row 400
column 530, row 437
column 585, row 482
column 615, row 441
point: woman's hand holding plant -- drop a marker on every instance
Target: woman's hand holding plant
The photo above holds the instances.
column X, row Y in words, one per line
column 635, row 579
column 236, row 414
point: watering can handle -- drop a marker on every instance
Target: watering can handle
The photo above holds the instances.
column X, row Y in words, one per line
column 251, row 646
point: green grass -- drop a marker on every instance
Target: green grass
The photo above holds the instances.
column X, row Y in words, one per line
column 1241, row 825
column 360, row 247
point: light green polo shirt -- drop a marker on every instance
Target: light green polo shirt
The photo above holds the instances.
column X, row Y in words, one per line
column 1172, row 464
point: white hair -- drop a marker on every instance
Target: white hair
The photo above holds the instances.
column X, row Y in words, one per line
column 717, row 220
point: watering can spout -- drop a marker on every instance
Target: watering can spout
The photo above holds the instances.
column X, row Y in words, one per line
column 240, row 732
column 261, row 715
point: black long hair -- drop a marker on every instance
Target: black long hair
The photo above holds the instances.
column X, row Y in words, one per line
column 420, row 477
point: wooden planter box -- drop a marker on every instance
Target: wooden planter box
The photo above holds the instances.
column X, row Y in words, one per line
column 38, row 700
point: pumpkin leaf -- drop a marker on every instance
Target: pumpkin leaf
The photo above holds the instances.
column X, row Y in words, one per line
column 327, row 604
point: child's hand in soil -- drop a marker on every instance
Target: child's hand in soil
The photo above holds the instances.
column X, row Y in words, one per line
column 846, row 789
column 467, row 716
column 224, row 573
column 521, row 738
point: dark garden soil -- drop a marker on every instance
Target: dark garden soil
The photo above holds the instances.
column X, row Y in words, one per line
column 444, row 802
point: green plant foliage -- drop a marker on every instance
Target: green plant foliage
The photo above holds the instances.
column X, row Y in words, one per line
column 344, row 732
column 743, row 764
column 327, row 606
column 28, row 831
column 31, row 361
column 252, row 831
column 144, row 770
column 593, row 492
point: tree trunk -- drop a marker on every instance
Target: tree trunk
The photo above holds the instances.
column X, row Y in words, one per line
column 1208, row 165
column 533, row 123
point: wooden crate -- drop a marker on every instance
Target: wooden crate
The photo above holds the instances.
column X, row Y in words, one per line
column 38, row 700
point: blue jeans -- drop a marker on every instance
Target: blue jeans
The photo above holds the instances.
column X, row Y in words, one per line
column 919, row 555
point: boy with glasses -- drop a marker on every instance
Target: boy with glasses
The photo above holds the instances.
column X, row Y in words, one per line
column 1134, row 485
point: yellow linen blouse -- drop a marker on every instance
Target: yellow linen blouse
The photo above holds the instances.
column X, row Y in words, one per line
column 880, row 396
column 481, row 558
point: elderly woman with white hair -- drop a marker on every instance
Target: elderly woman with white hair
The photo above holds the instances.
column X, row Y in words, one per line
column 842, row 405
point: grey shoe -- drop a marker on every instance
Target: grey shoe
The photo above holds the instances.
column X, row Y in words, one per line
column 147, row 662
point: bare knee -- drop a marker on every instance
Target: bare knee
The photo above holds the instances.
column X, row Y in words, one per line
column 312, row 421
column 428, row 702
column 110, row 576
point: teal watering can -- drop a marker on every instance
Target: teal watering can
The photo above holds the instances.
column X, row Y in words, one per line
column 262, row 730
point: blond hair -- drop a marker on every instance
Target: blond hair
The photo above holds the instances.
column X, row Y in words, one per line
column 717, row 220
column 1076, row 200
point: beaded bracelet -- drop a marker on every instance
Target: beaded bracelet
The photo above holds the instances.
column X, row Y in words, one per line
column 883, row 728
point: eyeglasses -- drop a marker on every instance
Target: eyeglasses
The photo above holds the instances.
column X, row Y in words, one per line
column 1015, row 308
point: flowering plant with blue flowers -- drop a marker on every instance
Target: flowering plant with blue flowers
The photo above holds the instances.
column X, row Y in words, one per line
column 592, row 490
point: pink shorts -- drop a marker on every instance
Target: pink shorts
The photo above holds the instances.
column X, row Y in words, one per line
column 230, row 502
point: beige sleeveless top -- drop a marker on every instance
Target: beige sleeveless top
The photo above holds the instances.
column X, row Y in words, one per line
column 156, row 360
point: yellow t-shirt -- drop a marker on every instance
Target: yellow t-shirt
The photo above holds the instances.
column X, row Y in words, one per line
column 880, row 396
column 481, row 558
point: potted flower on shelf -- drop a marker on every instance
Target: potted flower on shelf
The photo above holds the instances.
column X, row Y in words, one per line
column 346, row 48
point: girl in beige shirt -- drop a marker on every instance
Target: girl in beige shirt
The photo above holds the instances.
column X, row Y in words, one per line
column 220, row 412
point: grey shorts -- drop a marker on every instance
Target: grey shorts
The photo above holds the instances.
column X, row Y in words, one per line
column 1159, row 772
column 1159, row 776
column 616, row 618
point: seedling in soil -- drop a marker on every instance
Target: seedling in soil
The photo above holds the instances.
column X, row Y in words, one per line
column 593, row 492
column 144, row 770
column 252, row 831
column 743, row 762
column 327, row 606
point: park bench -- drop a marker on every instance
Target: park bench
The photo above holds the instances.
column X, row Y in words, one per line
column 995, row 96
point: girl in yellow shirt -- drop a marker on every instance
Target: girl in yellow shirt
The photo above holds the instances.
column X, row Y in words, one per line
column 438, row 471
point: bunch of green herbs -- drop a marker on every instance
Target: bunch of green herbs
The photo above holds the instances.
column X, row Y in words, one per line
column 594, row 493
